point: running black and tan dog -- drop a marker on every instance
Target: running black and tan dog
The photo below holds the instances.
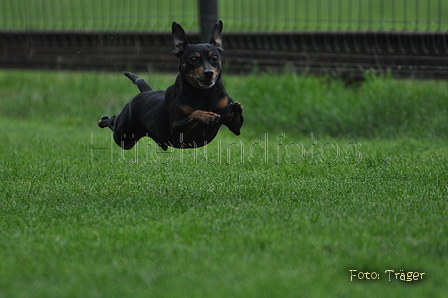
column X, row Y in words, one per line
column 190, row 112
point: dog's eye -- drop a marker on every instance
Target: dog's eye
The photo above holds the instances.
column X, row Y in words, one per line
column 193, row 59
column 214, row 58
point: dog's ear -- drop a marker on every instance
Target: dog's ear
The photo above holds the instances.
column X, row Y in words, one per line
column 179, row 39
column 216, row 39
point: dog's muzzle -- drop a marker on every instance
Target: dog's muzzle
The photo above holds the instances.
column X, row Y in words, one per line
column 208, row 79
column 205, row 83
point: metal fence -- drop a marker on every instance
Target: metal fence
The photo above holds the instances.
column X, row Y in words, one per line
column 239, row 15
column 340, row 15
column 96, row 15
column 408, row 38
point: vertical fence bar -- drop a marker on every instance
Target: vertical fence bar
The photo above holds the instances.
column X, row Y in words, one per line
column 208, row 16
column 360, row 15
column 319, row 17
column 416, row 14
column 330, row 15
column 382, row 15
column 307, row 15
column 340, row 16
column 349, row 17
column 405, row 16
column 393, row 16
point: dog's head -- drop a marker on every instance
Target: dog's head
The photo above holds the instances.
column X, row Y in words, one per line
column 200, row 64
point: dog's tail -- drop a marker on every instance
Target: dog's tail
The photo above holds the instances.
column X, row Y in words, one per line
column 142, row 85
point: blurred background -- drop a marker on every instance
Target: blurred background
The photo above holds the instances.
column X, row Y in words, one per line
column 348, row 38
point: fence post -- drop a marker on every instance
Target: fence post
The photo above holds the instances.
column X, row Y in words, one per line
column 208, row 17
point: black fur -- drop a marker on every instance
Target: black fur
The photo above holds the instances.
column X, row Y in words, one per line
column 190, row 112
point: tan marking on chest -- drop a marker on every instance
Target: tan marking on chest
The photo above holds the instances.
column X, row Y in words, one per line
column 186, row 109
column 222, row 103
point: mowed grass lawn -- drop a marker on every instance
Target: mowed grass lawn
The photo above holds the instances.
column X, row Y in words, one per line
column 324, row 179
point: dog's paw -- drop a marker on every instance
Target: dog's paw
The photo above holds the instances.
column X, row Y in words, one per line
column 212, row 118
column 236, row 107
column 107, row 122
column 103, row 122
column 206, row 117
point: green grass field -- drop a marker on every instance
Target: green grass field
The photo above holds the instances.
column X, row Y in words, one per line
column 324, row 179
column 243, row 15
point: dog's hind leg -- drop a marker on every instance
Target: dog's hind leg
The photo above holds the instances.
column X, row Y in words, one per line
column 142, row 85
column 107, row 122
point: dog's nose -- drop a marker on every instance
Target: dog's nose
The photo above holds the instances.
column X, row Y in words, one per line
column 208, row 73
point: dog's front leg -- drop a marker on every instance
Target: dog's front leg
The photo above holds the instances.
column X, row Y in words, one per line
column 236, row 120
column 185, row 125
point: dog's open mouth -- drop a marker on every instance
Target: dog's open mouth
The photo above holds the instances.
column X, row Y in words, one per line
column 205, row 83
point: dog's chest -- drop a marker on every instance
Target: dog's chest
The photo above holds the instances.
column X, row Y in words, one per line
column 217, row 105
